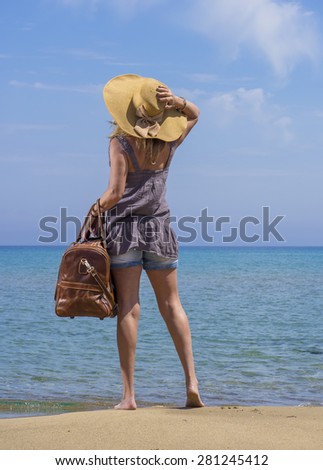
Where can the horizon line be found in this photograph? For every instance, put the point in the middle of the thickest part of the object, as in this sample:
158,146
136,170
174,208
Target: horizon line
181,246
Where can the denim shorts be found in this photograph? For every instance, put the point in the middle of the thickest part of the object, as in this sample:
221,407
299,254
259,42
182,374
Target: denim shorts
147,259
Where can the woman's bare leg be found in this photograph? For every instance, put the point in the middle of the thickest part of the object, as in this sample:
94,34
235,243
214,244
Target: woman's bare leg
164,283
126,281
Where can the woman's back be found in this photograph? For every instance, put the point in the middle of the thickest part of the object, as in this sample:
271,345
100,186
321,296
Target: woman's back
141,217
144,162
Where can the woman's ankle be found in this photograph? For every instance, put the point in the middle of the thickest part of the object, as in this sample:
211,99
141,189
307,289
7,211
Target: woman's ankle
127,403
192,383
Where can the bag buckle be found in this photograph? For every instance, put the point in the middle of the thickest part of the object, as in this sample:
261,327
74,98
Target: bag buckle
89,268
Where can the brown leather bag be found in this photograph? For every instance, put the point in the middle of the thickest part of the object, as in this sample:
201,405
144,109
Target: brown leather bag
84,287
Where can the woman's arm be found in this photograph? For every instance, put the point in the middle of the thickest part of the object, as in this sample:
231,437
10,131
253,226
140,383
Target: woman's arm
189,109
117,180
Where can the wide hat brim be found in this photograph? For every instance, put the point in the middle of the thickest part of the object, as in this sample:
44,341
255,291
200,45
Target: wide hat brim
119,94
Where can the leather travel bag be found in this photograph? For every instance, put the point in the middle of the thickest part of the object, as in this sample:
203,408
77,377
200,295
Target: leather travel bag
84,286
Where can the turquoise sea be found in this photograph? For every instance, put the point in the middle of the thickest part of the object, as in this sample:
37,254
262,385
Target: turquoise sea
256,315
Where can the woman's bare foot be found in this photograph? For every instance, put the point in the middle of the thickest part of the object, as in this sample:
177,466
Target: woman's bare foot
193,398
126,404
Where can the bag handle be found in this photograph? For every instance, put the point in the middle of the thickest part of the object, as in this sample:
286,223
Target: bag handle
86,227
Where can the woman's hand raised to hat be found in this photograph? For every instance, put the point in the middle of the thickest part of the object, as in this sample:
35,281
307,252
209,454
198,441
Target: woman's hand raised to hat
164,95
187,108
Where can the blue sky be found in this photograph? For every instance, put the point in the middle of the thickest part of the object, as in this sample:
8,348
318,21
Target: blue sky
254,67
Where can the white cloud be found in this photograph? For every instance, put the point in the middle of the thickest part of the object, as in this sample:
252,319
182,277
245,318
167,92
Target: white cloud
124,7
253,109
284,125
281,32
189,94
203,77
44,86
90,54
77,3
83,54
241,102
21,127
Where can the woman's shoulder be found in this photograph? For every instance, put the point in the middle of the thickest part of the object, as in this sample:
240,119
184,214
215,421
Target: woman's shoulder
118,142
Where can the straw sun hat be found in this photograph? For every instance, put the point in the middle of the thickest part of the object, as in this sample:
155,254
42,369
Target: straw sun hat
131,100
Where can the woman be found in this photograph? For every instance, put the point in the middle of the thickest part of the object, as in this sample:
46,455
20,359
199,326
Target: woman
151,123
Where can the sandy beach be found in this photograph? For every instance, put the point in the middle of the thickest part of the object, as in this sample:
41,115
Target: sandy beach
227,427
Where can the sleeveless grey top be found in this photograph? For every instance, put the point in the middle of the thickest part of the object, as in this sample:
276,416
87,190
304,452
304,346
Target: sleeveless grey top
141,217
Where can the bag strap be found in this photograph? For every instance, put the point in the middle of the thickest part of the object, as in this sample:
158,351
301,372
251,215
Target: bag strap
91,270
85,230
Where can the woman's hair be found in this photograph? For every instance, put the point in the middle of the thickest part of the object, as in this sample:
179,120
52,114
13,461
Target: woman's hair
150,147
